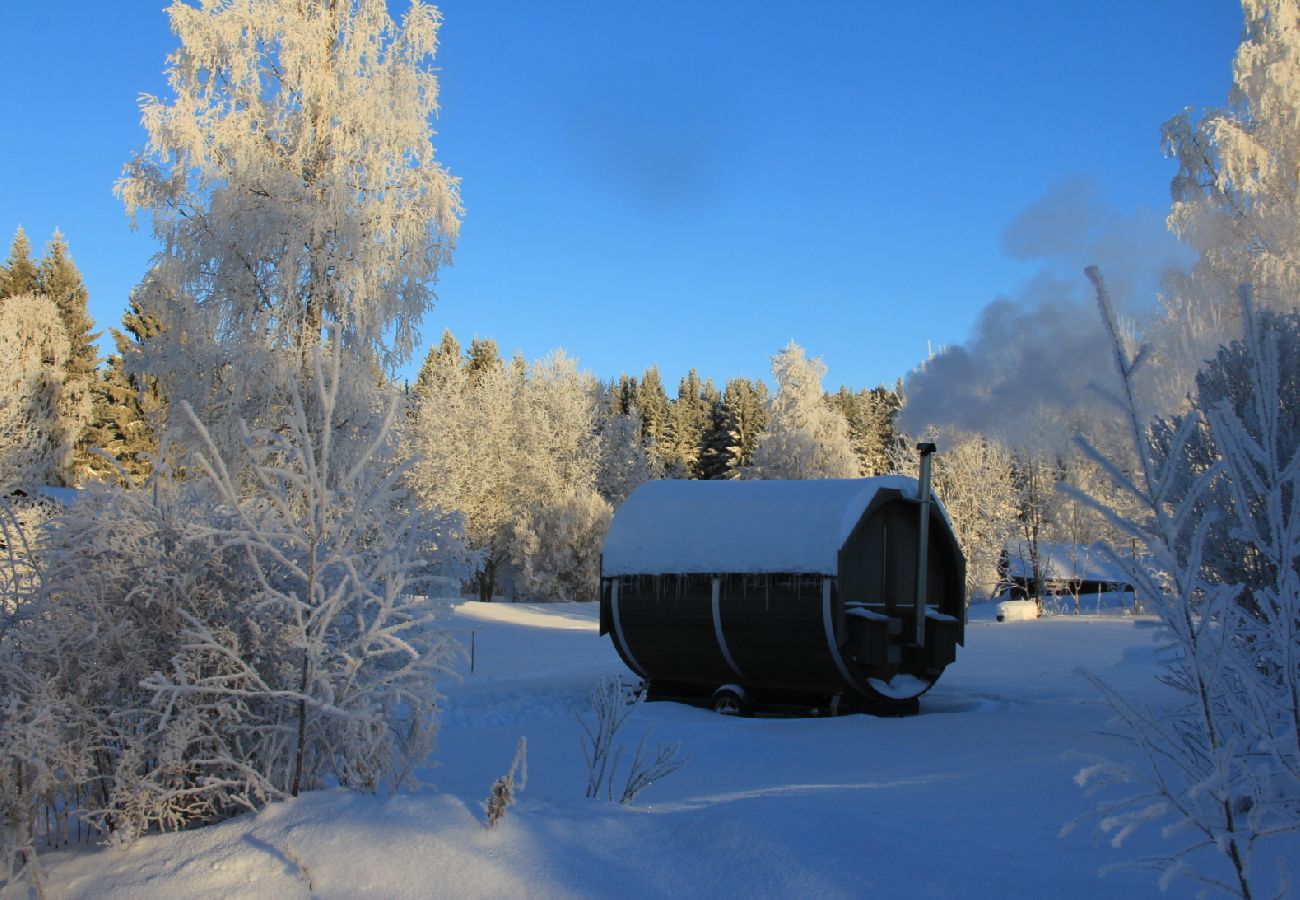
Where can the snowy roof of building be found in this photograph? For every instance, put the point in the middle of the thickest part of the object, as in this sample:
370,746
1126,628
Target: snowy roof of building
694,527
1063,562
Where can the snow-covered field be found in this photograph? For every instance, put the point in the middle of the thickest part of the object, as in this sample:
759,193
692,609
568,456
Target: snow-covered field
964,800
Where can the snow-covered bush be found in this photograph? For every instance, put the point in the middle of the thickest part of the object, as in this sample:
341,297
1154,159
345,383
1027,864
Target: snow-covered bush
199,647
1220,773
329,666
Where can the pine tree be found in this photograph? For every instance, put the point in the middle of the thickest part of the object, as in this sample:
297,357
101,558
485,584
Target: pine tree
715,455
744,418
437,362
683,434
871,416
19,275
627,396
654,409
484,356
63,285
129,408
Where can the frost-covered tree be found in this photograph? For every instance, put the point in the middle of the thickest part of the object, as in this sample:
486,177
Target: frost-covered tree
871,414
129,408
483,356
18,275
805,437
462,437
1220,773
62,284
560,518
292,184
653,400
556,544
196,649
338,562
1235,196
514,450
626,458
745,405
1235,200
36,430
1035,474
974,478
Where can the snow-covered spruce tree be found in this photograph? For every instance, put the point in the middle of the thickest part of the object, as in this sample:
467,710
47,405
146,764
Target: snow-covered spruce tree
684,432
653,402
291,182
340,685
1221,772
745,405
62,283
18,274
35,437
129,409
871,415
805,437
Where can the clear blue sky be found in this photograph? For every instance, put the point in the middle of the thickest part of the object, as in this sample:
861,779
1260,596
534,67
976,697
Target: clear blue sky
696,182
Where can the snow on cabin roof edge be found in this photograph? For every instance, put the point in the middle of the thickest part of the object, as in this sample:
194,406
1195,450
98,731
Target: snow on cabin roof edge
704,527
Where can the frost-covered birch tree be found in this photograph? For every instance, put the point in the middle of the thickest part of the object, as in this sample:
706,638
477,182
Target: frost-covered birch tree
515,451
560,519
627,458
291,182
1235,200
973,476
805,437
36,433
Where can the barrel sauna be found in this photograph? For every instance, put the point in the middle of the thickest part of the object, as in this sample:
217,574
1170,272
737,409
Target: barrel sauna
784,593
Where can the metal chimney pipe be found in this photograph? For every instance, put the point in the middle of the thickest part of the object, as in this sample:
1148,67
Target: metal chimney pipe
922,541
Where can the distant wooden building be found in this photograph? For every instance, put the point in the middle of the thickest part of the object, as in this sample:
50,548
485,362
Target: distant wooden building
1074,570
781,591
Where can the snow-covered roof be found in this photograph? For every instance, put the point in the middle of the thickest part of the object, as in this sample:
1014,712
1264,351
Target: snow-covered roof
1063,562
686,527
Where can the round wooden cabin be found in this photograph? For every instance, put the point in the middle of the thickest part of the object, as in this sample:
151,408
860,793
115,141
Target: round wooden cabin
782,592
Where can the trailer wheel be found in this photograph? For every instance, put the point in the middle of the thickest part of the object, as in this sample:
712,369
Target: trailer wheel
731,700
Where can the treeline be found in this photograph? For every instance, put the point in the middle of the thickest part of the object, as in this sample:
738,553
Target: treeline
64,413
534,457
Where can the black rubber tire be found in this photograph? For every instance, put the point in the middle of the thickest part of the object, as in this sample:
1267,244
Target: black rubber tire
728,701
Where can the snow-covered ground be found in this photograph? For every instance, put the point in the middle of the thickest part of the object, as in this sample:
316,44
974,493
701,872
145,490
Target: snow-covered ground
964,800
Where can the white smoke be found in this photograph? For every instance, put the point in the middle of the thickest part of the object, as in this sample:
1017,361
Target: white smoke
1039,347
